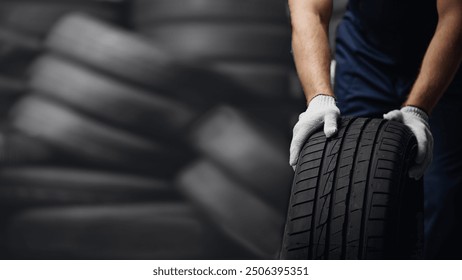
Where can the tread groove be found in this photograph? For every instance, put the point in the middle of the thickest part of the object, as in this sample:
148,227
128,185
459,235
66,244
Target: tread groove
348,196
366,193
313,219
334,189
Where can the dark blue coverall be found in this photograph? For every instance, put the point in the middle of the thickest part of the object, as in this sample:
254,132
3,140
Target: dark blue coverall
380,45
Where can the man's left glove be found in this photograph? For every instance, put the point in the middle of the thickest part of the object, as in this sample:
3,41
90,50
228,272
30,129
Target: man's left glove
417,121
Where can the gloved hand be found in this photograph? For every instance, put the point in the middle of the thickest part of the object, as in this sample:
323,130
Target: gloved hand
321,110
417,121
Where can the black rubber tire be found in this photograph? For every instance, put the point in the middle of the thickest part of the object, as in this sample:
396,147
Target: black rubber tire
91,141
16,52
149,11
254,154
265,80
135,59
17,42
36,18
277,115
141,231
352,197
241,215
223,41
17,149
11,90
135,109
48,186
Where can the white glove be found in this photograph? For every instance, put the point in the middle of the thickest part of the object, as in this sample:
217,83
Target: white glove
321,110
417,121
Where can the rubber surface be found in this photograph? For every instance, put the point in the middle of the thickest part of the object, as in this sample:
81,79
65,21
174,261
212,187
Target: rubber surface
265,80
254,154
87,139
135,109
36,18
352,197
11,90
276,115
47,186
133,58
17,149
223,41
143,231
243,216
148,11
16,52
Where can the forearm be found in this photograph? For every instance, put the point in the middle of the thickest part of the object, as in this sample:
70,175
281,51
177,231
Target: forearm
440,63
311,48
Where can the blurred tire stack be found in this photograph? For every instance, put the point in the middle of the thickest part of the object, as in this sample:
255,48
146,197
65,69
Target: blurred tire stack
23,25
242,180
166,141
249,41
117,137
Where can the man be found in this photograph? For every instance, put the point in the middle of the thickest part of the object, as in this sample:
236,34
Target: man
400,58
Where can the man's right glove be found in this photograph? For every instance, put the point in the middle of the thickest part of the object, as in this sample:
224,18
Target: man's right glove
321,110
417,121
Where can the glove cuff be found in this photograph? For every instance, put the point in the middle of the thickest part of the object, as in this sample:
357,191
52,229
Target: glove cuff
415,112
322,100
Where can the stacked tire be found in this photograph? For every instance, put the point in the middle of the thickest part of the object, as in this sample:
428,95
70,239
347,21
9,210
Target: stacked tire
35,18
23,25
109,119
241,179
247,40
241,182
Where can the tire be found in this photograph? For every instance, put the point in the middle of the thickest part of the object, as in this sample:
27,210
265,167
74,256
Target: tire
135,59
134,109
242,216
363,206
90,141
276,115
254,154
142,231
17,42
17,149
265,80
223,41
36,18
48,186
10,91
16,52
11,88
151,11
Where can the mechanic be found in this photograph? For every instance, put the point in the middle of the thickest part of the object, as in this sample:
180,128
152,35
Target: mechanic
398,59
